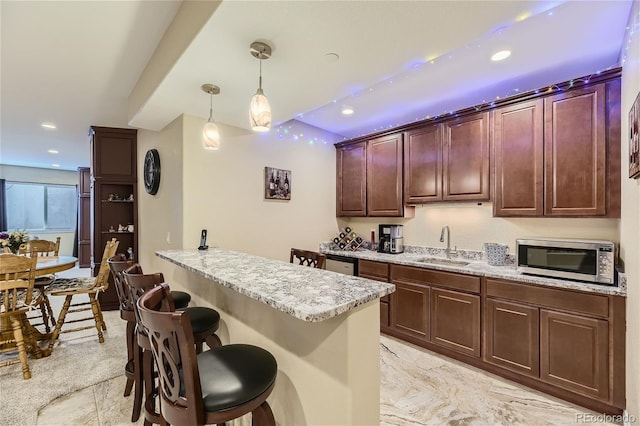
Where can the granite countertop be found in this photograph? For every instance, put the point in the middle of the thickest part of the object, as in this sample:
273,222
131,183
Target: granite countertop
476,266
305,293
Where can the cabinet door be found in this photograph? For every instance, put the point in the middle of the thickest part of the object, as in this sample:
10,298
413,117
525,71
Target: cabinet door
574,353
423,164
351,180
377,271
575,151
518,155
384,176
512,336
113,153
410,310
466,158
455,321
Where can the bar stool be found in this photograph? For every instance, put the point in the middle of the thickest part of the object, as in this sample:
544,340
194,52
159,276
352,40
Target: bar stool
215,386
307,258
204,321
117,265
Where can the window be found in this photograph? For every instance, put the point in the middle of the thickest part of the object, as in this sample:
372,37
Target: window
41,207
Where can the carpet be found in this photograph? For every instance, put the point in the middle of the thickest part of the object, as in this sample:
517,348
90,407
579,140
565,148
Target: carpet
78,360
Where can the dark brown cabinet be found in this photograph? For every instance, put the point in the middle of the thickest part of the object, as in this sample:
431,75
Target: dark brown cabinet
465,158
351,180
369,178
574,353
513,336
455,321
559,156
575,153
518,158
436,308
410,310
84,217
384,176
114,196
448,161
378,271
423,164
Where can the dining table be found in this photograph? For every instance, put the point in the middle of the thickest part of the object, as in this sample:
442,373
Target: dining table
46,265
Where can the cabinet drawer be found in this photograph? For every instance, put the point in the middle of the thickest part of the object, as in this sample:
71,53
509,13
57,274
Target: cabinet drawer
376,269
575,301
435,278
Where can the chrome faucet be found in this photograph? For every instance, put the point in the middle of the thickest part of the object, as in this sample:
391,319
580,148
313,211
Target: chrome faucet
448,251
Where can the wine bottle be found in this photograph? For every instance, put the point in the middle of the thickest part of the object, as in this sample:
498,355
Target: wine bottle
286,184
272,185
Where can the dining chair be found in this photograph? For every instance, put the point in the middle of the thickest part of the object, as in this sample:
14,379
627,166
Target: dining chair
81,286
307,258
215,386
204,323
118,264
42,248
16,295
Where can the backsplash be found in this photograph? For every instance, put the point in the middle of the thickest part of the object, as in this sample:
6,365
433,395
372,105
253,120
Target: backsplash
473,255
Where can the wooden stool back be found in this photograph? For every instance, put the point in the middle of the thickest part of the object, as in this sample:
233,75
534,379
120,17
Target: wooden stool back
307,258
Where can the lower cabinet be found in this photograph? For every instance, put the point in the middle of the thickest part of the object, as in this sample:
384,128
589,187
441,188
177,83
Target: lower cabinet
410,310
455,321
574,353
513,336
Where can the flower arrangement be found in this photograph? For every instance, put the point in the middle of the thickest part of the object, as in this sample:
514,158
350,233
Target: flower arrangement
13,240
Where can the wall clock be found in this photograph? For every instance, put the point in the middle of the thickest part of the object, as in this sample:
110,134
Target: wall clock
152,171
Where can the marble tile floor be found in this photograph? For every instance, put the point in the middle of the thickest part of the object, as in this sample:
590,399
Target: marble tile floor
418,387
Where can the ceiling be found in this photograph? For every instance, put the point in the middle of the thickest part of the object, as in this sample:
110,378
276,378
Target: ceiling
76,63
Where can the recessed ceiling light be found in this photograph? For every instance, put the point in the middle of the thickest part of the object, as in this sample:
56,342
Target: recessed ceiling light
48,125
331,57
499,56
53,151
55,165
347,110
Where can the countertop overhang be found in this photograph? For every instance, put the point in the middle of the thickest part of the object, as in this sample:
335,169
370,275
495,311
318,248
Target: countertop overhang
481,268
305,293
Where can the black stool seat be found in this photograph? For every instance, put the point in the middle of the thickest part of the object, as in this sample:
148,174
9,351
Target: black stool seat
203,319
180,299
232,375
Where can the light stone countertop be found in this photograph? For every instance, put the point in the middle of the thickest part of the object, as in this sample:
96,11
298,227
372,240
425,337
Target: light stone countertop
476,266
305,293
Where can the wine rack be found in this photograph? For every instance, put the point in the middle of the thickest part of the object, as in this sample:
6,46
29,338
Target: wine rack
348,240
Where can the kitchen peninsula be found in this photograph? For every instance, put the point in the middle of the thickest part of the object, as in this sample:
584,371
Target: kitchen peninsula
322,327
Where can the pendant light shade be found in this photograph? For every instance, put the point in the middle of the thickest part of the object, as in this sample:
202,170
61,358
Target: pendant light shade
210,132
259,109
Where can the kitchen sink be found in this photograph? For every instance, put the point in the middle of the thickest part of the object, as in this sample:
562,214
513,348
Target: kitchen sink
442,261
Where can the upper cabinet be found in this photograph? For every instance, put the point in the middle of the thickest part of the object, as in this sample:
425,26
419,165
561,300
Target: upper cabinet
465,158
113,153
423,164
448,161
552,154
369,178
518,151
351,180
556,157
384,176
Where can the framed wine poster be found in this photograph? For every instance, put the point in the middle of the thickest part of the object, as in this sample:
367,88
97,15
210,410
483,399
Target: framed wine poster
634,139
277,184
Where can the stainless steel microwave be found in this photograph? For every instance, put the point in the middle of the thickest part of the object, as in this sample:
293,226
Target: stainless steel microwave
582,260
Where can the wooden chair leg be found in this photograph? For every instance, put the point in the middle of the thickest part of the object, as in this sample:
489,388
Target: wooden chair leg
47,304
60,323
22,352
97,316
137,382
150,393
43,311
104,324
263,416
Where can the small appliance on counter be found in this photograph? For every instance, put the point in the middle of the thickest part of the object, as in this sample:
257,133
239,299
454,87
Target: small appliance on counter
583,260
391,240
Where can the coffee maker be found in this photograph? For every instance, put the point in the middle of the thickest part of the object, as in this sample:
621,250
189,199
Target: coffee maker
391,240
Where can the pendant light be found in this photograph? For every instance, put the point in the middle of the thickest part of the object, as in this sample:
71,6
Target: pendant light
210,133
259,109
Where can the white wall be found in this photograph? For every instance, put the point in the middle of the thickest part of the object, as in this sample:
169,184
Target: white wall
38,175
629,225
